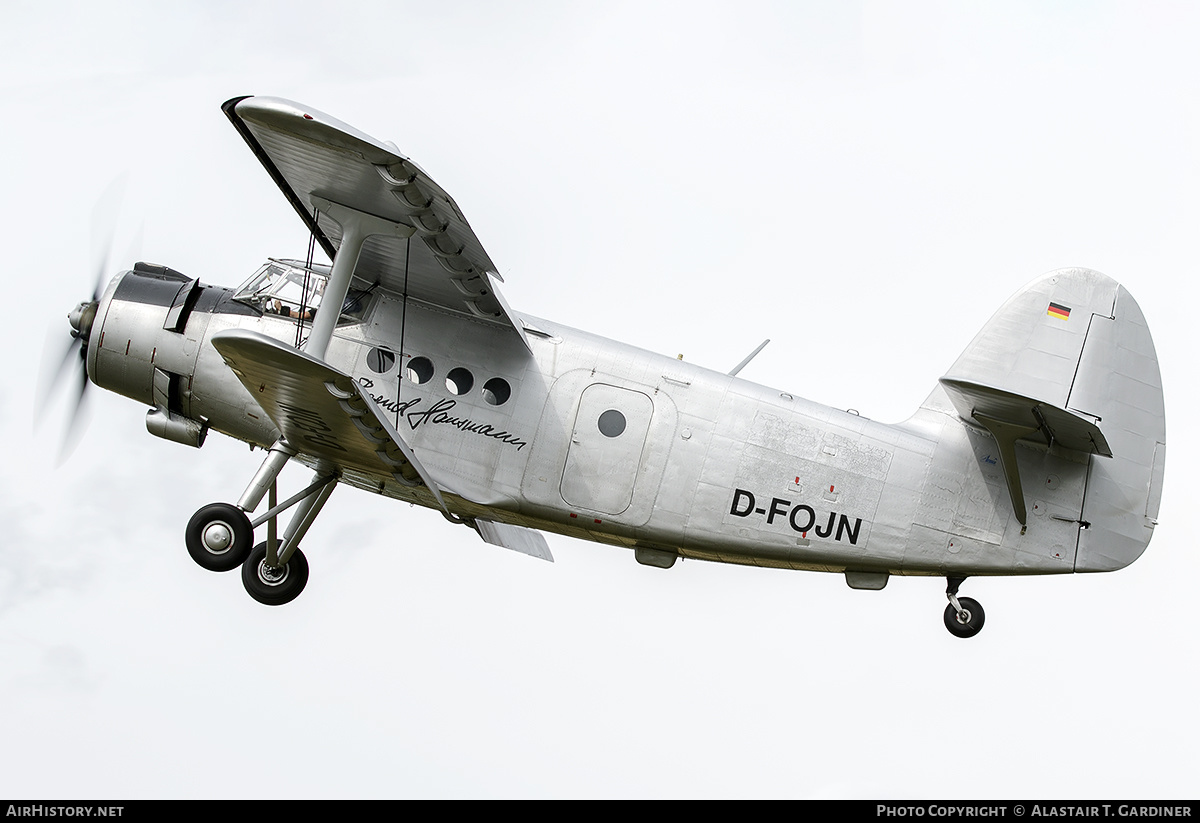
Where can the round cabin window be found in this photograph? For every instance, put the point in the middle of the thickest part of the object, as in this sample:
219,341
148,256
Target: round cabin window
459,381
496,391
420,370
611,423
380,360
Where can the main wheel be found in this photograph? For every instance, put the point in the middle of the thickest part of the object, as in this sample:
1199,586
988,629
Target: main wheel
966,623
274,585
219,537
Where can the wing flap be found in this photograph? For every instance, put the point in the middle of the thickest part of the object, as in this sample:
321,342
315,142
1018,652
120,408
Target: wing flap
516,538
319,410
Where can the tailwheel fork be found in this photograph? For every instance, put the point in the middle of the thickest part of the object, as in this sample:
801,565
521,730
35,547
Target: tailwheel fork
964,616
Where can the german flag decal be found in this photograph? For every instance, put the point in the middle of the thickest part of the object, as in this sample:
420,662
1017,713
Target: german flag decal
1061,312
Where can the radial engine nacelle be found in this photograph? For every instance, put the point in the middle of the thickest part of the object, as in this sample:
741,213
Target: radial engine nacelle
145,343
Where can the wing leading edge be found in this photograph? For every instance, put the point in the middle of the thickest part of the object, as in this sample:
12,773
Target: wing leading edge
313,157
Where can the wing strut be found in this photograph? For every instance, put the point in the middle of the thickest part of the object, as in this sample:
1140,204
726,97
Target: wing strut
356,226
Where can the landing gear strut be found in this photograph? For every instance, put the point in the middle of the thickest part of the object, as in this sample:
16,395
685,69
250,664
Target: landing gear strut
220,536
274,572
964,615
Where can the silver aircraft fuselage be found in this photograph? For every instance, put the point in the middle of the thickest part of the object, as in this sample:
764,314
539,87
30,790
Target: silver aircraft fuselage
402,370
600,440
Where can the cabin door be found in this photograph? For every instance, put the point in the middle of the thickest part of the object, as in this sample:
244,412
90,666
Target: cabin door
606,447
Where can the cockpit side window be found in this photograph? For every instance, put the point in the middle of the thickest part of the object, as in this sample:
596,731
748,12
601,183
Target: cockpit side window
288,288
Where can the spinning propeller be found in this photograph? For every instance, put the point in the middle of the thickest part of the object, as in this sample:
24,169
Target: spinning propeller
68,361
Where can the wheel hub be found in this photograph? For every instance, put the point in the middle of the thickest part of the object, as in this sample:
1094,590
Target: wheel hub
272,575
218,537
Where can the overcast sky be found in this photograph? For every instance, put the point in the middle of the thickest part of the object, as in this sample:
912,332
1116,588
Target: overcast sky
864,183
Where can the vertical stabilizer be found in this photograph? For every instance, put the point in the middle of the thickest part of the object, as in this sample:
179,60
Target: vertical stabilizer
1068,364
1031,346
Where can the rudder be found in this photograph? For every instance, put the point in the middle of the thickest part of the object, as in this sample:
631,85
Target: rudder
1120,383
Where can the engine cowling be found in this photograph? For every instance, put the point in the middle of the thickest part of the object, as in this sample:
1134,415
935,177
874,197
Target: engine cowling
143,345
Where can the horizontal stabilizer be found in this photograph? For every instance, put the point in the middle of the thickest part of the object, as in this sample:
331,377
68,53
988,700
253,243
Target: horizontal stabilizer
1043,423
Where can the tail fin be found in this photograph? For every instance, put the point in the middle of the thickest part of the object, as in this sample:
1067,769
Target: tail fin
1068,363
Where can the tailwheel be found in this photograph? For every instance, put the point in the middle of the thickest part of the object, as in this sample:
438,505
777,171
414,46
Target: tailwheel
219,537
966,620
274,585
964,615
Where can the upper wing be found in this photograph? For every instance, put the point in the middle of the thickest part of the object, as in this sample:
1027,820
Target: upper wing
312,155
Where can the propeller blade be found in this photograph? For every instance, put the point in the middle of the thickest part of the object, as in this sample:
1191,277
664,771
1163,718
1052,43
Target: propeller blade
57,356
105,216
58,361
77,414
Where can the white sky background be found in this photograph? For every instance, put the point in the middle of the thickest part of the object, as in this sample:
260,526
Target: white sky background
862,183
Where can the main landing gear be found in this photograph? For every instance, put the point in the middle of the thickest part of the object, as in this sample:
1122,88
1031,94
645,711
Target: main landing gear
964,615
220,536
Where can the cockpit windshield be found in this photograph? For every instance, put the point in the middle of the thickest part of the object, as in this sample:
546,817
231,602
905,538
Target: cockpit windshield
291,289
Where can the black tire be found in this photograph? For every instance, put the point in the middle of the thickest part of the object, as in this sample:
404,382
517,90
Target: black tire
219,537
274,587
973,622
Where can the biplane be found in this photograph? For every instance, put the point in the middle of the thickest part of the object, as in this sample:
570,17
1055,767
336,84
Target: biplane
398,368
